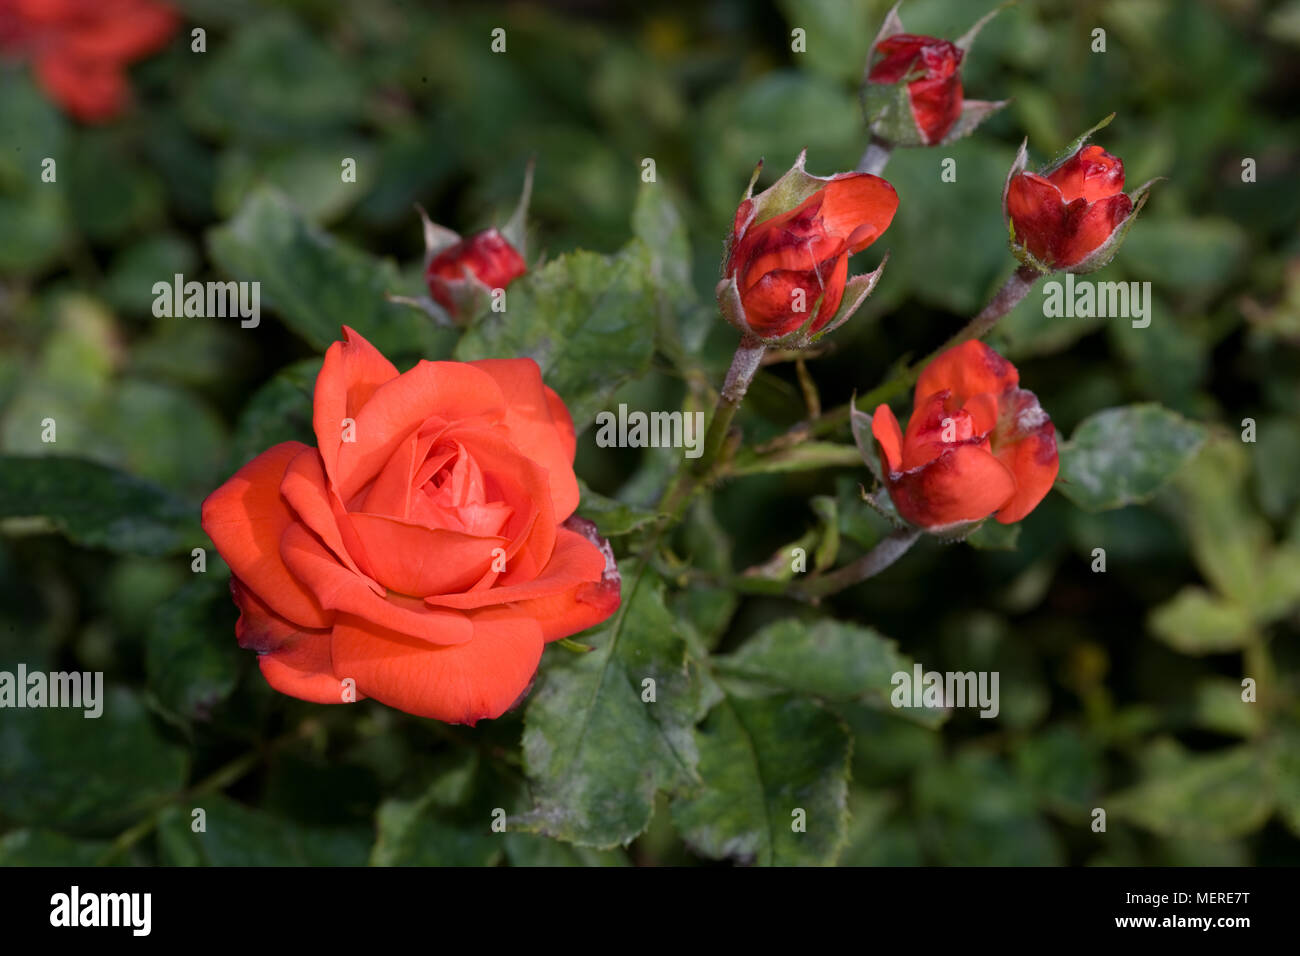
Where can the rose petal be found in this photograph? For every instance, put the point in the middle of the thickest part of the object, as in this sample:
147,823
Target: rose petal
524,486
935,427
964,484
884,427
584,605
967,370
340,589
575,561
294,660
1090,174
451,391
460,684
317,505
246,518
92,90
1089,226
1026,443
833,294
1037,213
419,561
353,369
533,427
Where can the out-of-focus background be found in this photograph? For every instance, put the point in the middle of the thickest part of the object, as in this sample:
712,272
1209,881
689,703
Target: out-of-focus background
1120,690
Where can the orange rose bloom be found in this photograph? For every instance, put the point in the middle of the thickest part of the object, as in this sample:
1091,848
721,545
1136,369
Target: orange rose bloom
977,443
427,549
81,48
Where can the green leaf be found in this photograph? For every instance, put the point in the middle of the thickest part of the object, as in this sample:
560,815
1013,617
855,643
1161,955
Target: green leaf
308,174
595,750
1123,455
29,847
279,411
775,784
192,660
1190,255
613,518
272,80
683,323
314,282
994,536
60,768
1204,797
527,849
825,658
1197,622
972,811
840,31
1062,766
97,506
1230,541
1284,752
237,835
35,214
588,320
1217,706
418,833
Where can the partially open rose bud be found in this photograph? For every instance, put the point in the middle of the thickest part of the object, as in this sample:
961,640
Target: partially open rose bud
486,257
912,92
785,280
977,444
463,274
1072,214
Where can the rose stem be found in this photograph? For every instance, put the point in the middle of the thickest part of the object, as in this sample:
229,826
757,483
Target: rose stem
1006,299
886,552
875,156
748,357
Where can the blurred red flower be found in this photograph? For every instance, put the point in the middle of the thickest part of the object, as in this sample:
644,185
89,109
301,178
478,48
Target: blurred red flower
80,49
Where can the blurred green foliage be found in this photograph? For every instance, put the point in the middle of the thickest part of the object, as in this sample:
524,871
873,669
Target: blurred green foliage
1120,689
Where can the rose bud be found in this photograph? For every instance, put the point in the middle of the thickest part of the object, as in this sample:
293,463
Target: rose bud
462,274
785,280
1072,214
977,444
912,92
485,258
426,549
80,49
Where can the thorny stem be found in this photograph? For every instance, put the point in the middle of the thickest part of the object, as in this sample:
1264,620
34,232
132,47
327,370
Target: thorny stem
744,364
886,552
875,156
1006,299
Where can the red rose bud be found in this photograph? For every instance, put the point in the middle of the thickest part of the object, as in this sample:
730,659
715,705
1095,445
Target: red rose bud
786,281
977,444
913,92
935,96
486,257
462,273
1072,214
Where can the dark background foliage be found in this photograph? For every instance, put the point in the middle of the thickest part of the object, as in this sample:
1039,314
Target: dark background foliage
1120,689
